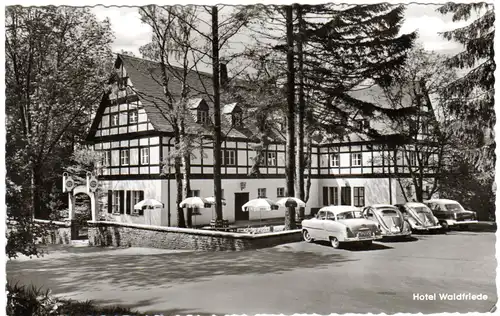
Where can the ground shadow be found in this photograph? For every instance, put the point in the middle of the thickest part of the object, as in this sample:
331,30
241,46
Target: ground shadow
399,240
71,273
355,246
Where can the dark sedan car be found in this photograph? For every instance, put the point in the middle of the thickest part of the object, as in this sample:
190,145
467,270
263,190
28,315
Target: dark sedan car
450,213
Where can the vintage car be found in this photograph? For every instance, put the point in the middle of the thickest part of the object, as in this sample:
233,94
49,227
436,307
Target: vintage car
390,219
419,216
450,213
340,224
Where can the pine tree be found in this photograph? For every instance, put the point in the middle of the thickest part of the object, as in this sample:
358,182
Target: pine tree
471,97
357,44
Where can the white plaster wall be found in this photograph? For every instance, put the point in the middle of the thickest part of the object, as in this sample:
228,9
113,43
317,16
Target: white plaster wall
152,190
376,189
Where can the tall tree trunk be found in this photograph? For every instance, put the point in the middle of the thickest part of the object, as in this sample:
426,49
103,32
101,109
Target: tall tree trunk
300,115
290,135
186,188
38,209
217,115
178,182
186,165
398,176
309,163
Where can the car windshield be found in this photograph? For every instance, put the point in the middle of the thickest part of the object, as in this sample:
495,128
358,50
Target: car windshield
454,207
349,215
421,209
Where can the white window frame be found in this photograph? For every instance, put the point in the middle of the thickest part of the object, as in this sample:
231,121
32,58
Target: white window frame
412,158
334,160
358,196
229,157
133,117
113,117
124,158
134,199
280,192
106,158
202,116
271,158
260,191
144,155
356,159
116,202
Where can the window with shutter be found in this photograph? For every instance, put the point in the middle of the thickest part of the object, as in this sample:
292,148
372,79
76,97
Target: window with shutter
129,203
122,202
345,196
141,198
110,201
325,196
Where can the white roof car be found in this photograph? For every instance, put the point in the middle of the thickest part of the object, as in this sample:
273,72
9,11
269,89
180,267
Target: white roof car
339,208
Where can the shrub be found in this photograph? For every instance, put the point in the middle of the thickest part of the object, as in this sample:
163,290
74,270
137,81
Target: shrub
29,300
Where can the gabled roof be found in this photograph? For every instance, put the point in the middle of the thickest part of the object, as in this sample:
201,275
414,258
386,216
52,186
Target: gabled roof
231,108
197,104
145,78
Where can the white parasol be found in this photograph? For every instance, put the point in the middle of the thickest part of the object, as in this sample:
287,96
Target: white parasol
152,203
291,202
193,202
260,205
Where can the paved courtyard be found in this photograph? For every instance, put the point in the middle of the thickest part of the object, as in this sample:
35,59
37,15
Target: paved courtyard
292,278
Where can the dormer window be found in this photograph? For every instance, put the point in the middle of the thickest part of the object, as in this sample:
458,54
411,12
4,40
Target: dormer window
202,117
362,124
237,118
122,83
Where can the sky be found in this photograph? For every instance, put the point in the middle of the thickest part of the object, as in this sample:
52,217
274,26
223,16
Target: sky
131,33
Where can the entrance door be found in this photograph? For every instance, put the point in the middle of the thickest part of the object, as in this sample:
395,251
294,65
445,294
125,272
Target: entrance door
239,200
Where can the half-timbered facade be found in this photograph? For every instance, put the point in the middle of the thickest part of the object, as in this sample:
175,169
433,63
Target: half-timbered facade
134,136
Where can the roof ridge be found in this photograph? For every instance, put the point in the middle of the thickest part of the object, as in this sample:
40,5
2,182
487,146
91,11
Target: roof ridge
158,63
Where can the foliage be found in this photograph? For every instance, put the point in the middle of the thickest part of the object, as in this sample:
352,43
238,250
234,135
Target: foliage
419,84
471,97
56,64
344,46
30,300
475,191
24,237
181,46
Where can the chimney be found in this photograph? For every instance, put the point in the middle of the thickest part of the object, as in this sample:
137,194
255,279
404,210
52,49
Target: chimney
223,74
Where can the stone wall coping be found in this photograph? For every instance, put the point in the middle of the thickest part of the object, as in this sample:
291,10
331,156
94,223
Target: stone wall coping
196,231
59,223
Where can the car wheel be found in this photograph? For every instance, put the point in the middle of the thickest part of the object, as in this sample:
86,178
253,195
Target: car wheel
444,226
367,243
307,237
335,242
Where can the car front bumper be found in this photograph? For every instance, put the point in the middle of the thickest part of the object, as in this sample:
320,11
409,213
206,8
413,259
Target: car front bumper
355,239
396,234
452,222
426,228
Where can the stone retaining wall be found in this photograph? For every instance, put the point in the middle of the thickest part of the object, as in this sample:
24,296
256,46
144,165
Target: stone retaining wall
135,235
57,232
